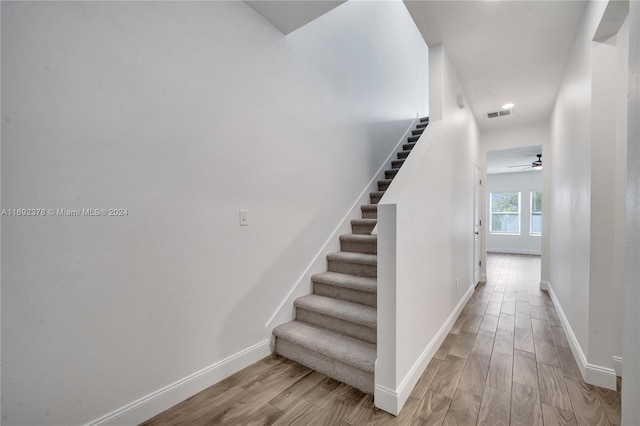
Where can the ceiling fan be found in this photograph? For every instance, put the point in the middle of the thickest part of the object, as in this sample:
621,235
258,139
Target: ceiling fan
536,165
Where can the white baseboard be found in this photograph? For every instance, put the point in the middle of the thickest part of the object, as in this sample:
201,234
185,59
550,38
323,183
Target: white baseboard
302,287
617,365
386,399
391,400
544,285
600,376
593,374
483,278
162,399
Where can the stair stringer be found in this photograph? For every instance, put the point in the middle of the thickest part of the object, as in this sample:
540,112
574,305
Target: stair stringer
286,311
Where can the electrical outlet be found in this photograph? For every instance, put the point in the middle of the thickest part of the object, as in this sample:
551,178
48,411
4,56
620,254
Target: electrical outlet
244,218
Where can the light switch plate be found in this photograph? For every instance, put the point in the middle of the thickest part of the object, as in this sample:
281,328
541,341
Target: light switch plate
244,218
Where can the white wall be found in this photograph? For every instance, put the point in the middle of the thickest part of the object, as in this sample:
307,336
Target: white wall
523,182
631,368
608,175
536,133
622,99
183,113
425,240
570,202
583,202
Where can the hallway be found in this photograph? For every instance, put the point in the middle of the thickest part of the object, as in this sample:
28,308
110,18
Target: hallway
505,361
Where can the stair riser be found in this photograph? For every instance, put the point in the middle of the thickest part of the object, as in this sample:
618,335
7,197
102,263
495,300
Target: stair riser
390,174
356,269
348,294
403,155
363,229
424,120
338,325
359,247
382,186
408,146
417,132
369,214
421,125
375,199
413,138
396,164
348,374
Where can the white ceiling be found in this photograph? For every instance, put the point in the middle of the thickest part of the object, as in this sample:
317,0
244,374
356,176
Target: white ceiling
503,51
500,161
290,15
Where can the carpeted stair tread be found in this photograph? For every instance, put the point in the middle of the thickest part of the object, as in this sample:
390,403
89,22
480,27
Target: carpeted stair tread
408,146
346,311
424,120
358,258
365,221
353,263
375,199
413,138
369,211
364,226
422,125
359,242
353,282
417,132
344,285
349,350
390,173
383,184
359,238
396,164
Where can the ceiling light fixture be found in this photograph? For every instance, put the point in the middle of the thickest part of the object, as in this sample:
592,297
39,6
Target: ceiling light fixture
508,106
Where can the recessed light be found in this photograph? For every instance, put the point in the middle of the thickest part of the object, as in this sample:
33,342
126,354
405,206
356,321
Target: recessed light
508,106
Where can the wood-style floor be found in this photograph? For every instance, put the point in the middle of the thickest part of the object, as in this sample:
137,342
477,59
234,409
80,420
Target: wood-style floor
506,361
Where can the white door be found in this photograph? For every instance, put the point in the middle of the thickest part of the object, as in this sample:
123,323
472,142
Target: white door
476,225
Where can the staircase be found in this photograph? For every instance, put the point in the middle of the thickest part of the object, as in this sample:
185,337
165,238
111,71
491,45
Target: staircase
335,327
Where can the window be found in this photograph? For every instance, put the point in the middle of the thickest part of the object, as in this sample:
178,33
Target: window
505,212
536,213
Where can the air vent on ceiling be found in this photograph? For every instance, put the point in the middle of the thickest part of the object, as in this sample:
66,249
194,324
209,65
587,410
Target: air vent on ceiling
500,113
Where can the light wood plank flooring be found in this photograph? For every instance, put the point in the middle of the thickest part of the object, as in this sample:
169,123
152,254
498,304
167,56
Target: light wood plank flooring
506,361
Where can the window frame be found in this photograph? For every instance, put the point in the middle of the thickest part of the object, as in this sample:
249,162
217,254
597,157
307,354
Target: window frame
531,233
518,214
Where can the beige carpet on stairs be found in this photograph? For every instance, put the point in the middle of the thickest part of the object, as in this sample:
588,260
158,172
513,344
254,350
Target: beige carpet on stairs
335,328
